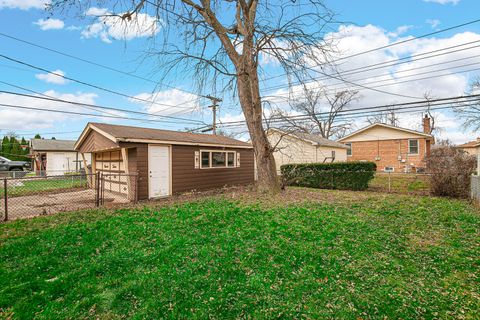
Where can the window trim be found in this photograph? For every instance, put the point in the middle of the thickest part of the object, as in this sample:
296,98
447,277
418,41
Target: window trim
210,151
418,147
349,144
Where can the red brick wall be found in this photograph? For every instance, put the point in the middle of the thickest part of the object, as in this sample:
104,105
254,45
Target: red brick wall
389,151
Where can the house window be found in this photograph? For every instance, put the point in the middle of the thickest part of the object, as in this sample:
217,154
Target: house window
389,169
413,146
218,159
349,150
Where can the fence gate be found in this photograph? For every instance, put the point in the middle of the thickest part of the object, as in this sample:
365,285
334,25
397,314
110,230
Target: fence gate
30,195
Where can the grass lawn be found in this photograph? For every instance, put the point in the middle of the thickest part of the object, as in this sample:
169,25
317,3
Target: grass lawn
21,187
340,255
401,183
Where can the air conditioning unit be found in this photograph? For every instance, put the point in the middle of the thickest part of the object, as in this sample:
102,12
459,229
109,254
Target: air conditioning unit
377,158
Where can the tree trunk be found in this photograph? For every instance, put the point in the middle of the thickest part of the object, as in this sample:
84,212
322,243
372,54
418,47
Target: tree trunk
249,96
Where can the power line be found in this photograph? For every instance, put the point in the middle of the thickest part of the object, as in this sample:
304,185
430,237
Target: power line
393,44
80,113
95,63
51,98
396,79
382,65
398,106
86,83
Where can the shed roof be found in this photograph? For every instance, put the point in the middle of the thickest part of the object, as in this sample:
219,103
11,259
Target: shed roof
314,138
52,145
119,133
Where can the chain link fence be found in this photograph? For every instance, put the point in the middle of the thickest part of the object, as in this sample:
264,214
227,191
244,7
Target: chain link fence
28,196
405,183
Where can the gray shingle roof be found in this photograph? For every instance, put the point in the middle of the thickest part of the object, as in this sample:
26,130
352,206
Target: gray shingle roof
52,145
128,132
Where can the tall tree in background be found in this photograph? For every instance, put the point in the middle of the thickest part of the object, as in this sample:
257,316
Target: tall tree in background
469,112
322,113
224,43
389,117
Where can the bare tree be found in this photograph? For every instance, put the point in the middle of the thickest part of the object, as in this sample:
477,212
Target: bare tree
321,113
433,125
469,112
388,116
223,44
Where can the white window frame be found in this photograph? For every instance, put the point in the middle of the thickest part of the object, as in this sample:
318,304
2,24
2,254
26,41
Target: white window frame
226,159
349,144
418,147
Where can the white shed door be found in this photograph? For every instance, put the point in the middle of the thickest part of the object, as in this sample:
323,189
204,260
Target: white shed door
159,171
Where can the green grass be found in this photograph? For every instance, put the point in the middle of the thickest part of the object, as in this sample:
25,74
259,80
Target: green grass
23,187
375,257
401,183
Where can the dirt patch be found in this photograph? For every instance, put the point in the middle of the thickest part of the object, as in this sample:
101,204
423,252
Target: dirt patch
46,204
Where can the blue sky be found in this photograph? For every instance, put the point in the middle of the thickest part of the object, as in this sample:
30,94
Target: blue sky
364,24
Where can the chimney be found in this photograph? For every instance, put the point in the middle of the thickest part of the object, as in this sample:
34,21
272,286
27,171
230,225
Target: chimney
427,127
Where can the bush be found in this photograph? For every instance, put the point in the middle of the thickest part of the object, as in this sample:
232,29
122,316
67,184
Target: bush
450,170
337,175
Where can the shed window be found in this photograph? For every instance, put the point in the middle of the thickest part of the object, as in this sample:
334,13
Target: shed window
205,159
218,159
413,146
231,159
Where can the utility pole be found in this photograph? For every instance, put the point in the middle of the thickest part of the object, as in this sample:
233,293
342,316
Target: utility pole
214,107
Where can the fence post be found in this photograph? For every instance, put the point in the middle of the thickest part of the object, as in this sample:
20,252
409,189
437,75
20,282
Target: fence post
389,182
5,184
97,190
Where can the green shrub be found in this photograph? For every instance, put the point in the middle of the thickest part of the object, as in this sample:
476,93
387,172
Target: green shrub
337,175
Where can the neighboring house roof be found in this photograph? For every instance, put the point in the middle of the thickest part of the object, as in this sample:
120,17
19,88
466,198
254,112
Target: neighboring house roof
52,145
470,144
426,135
313,138
118,133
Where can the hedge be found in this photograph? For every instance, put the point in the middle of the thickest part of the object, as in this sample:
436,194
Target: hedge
337,175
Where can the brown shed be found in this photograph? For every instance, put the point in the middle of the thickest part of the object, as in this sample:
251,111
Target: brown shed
167,162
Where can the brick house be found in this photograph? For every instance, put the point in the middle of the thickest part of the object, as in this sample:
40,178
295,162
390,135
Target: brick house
393,149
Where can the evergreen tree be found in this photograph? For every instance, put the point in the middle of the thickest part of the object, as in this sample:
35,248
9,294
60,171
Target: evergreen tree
15,150
37,136
6,146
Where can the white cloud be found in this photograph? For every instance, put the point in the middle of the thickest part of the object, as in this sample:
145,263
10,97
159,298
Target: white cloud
18,119
433,23
454,2
52,78
184,102
24,4
50,24
400,30
445,83
107,28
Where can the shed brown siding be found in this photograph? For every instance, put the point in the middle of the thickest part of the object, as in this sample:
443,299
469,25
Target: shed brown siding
95,142
186,178
138,163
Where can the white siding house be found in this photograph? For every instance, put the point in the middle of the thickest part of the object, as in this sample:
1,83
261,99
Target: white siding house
56,157
299,147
